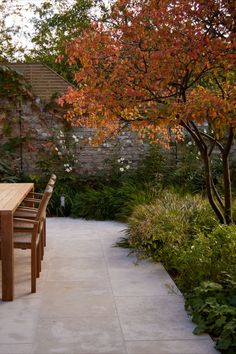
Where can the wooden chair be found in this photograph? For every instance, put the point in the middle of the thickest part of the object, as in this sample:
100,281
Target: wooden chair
34,198
28,234
29,212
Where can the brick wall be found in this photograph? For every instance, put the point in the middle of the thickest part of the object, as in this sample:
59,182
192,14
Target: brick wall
38,126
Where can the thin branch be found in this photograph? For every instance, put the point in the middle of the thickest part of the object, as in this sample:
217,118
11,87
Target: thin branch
198,134
212,148
217,194
213,140
192,133
220,87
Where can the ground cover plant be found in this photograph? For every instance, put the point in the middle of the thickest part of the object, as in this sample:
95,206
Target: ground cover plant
213,308
183,233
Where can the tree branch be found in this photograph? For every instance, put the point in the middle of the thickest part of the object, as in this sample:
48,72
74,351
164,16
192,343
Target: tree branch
213,140
216,193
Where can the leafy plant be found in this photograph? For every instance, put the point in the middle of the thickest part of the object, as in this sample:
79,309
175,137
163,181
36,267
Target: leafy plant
6,173
109,202
56,23
161,227
13,84
213,308
206,257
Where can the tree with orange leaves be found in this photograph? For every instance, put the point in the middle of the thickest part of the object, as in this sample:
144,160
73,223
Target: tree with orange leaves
161,65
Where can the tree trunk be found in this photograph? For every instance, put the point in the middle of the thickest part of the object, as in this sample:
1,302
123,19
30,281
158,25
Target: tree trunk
209,188
227,190
227,179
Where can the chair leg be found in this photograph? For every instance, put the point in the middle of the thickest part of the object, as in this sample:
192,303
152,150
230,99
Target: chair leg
42,244
38,260
44,233
33,269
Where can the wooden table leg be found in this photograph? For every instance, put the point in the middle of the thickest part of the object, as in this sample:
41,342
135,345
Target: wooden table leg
7,257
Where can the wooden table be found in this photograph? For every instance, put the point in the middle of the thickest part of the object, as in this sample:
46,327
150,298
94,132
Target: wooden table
11,196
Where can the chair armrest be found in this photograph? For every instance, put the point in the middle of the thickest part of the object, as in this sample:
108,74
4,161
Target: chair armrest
30,221
28,209
35,193
32,200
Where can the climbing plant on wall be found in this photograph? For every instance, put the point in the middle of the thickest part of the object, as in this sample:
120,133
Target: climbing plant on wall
13,130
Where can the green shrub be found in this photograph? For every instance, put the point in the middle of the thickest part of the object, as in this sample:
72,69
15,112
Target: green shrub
133,195
213,308
55,208
160,228
182,233
6,173
154,166
206,257
186,170
85,204
110,203
95,204
152,226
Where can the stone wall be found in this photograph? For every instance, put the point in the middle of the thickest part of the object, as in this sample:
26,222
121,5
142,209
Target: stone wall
38,125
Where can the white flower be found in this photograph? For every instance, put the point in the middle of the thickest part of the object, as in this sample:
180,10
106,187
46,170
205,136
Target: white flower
75,138
56,148
59,153
190,143
68,169
61,133
118,160
127,167
121,169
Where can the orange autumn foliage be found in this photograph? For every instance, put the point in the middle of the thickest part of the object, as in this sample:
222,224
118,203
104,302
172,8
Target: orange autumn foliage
161,66
151,60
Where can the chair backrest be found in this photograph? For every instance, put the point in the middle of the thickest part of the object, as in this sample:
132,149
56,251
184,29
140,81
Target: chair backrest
52,180
41,212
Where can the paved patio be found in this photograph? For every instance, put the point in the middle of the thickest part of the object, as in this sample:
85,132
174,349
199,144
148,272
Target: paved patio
92,298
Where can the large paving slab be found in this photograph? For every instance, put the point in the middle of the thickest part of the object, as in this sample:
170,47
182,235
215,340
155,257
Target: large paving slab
93,298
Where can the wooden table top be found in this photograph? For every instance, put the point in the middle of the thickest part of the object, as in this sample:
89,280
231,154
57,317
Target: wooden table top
12,194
